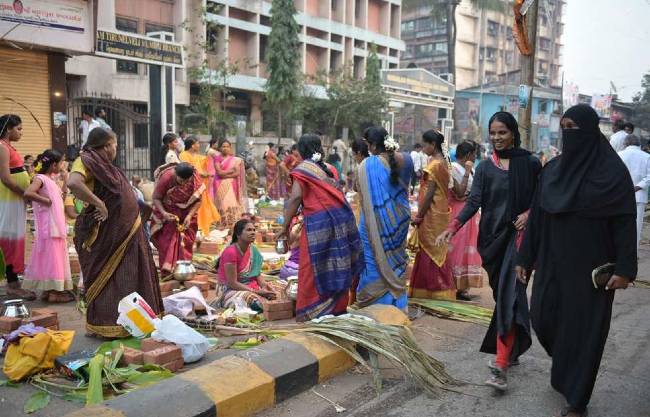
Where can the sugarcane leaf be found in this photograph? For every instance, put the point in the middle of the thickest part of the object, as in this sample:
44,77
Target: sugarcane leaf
37,401
8,383
95,394
150,378
78,396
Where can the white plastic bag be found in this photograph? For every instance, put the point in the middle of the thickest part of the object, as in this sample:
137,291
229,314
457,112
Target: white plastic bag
182,303
136,316
193,344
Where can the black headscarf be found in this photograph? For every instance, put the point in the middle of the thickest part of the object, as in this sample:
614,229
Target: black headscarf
523,171
589,177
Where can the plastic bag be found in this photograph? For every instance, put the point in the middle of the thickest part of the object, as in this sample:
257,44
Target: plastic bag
136,316
192,343
182,304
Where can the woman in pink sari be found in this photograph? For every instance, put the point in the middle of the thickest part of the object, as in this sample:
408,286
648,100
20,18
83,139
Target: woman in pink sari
176,200
463,256
49,266
229,184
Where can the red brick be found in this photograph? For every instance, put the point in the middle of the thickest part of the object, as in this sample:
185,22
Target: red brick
169,286
150,343
209,248
175,365
277,305
9,324
44,311
42,320
132,356
162,355
75,268
278,315
203,286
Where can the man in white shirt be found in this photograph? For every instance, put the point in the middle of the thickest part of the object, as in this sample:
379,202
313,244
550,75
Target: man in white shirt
86,125
638,163
100,116
617,140
420,161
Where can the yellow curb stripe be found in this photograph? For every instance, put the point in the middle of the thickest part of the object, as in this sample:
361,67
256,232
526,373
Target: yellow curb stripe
331,359
385,314
96,411
237,387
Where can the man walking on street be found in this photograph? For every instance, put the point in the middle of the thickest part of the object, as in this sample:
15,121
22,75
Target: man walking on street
638,163
420,161
617,140
86,125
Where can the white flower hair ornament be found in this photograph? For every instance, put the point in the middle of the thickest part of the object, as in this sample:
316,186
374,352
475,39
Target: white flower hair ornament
391,144
316,157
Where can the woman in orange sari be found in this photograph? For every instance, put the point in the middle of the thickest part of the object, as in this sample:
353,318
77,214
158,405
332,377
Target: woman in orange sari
229,184
432,276
207,214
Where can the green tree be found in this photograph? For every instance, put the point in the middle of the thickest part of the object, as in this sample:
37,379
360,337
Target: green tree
641,100
283,87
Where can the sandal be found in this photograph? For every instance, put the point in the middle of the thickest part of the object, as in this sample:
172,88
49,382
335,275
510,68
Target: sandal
60,297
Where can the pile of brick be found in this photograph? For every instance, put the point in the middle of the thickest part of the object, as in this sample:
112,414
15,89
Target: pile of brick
208,248
280,309
201,281
41,317
152,352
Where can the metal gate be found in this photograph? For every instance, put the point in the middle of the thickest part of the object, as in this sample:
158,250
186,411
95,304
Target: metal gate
129,121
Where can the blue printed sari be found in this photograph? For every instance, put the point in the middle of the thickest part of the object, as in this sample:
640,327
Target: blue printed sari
383,228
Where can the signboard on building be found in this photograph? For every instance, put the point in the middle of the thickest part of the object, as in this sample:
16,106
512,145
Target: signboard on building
417,80
602,103
55,14
138,48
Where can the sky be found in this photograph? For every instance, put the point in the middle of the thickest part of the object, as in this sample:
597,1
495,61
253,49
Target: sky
606,40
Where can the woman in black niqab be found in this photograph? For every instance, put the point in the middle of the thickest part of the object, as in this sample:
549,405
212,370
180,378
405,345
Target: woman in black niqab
582,217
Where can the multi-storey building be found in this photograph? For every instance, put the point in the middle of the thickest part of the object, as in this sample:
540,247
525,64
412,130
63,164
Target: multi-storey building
333,34
485,47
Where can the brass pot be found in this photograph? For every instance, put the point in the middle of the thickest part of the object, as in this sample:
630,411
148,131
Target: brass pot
184,271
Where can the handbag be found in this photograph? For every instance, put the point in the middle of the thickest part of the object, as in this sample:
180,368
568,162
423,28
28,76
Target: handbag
600,276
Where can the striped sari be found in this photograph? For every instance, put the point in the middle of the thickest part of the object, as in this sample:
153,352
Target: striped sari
330,250
384,224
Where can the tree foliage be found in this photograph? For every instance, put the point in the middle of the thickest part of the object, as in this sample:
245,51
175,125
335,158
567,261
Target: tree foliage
283,86
641,116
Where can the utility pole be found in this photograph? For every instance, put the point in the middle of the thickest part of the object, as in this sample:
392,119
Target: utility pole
528,75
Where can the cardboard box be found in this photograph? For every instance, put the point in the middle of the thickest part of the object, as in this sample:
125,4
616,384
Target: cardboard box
162,355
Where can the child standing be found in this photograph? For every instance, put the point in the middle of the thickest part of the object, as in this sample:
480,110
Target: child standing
49,266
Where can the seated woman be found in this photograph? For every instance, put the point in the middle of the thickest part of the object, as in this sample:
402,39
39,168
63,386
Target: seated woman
239,272
176,200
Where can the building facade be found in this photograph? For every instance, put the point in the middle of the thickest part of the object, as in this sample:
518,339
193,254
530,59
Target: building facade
37,36
333,34
485,47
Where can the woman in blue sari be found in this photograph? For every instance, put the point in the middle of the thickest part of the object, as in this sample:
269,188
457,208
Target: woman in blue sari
383,180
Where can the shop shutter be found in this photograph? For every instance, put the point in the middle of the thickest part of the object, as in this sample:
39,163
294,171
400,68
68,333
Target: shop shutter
24,78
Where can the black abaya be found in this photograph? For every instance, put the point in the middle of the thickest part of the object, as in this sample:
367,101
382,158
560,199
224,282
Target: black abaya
570,317
491,192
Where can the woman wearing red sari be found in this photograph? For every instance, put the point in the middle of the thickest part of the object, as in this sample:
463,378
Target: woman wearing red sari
275,187
330,248
176,199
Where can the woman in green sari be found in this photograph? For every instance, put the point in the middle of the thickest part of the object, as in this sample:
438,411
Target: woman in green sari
239,272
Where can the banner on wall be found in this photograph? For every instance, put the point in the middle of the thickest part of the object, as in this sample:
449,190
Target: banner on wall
602,103
54,14
570,95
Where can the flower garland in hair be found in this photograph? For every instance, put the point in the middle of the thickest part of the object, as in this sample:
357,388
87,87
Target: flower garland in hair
390,144
316,157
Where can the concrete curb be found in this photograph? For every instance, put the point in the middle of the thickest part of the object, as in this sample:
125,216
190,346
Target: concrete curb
243,383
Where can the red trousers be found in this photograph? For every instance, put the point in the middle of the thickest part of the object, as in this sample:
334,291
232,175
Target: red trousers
504,348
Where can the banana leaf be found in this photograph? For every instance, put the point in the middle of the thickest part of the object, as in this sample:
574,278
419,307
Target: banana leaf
454,310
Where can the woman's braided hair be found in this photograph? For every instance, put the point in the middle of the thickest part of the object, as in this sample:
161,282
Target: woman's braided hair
310,144
376,136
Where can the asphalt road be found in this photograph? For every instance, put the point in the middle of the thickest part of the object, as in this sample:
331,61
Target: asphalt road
622,388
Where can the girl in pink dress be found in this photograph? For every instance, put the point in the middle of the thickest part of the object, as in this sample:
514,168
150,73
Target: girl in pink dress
49,266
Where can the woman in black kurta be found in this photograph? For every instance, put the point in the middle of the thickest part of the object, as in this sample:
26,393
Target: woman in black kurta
503,189
583,217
